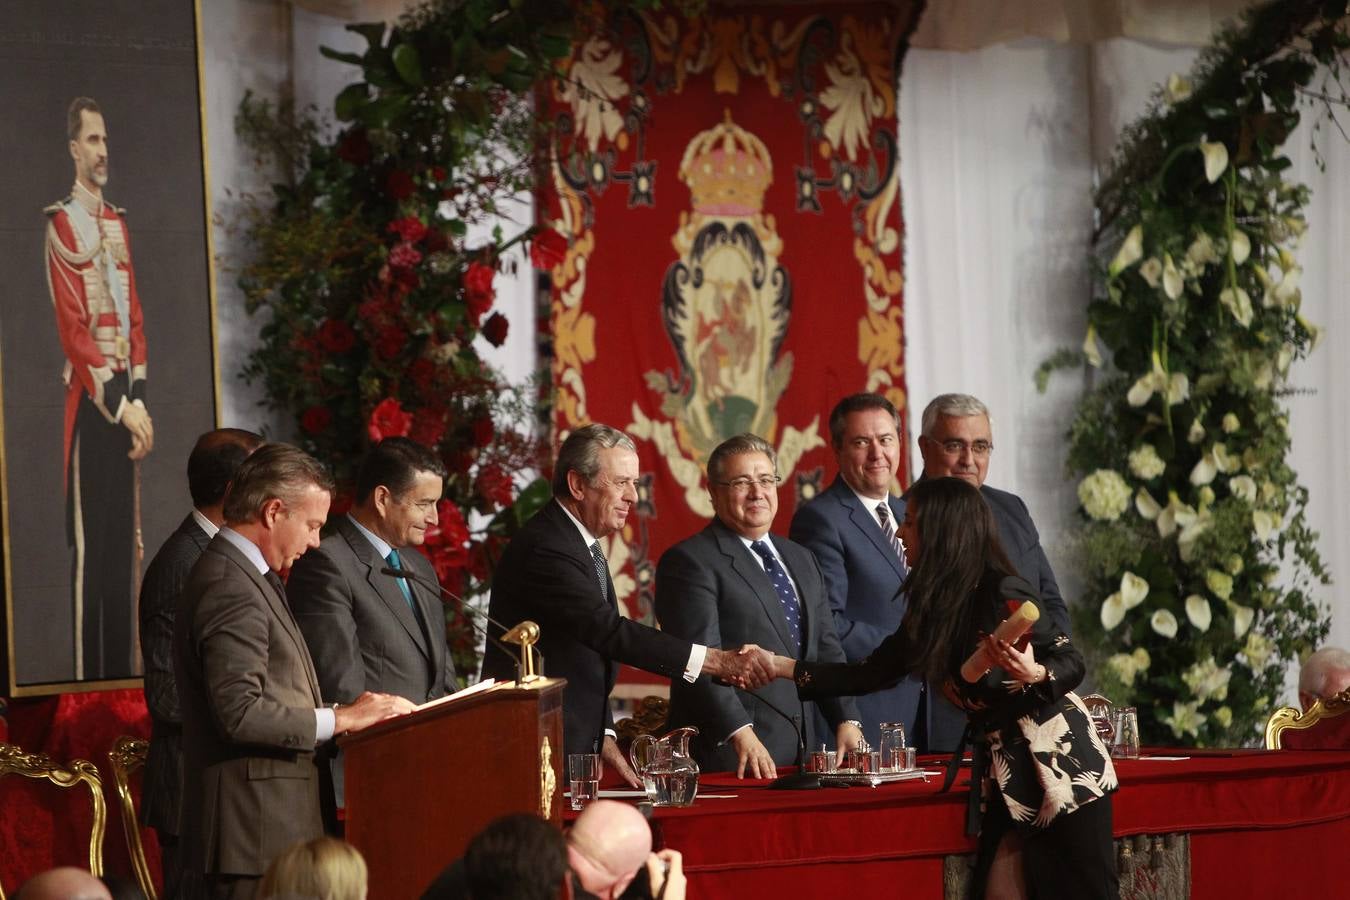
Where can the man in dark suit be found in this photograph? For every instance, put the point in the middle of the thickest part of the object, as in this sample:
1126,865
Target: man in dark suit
252,712
211,465
368,631
851,527
554,573
957,441
734,583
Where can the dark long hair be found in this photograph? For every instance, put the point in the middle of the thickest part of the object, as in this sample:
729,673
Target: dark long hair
958,544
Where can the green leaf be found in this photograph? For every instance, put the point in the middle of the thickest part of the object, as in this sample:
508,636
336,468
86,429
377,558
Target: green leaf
408,64
355,59
350,100
457,227
373,32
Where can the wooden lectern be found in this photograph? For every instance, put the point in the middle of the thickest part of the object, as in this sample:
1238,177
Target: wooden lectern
419,787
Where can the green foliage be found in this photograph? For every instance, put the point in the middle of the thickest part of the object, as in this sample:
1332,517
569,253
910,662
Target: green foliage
1196,312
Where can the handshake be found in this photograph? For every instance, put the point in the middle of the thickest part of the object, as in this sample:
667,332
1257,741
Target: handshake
747,668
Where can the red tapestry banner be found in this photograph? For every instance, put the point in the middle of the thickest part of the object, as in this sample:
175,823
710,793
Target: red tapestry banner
729,187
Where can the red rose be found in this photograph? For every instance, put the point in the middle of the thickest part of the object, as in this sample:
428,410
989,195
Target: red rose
478,294
336,336
494,485
316,419
399,185
428,426
422,373
447,543
409,228
547,249
483,431
388,419
404,256
354,147
494,329
390,342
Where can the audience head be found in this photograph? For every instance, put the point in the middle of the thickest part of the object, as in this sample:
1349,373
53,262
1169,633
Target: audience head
279,500
397,489
956,439
64,883
865,434
517,857
1324,674
743,484
322,869
213,461
595,477
607,845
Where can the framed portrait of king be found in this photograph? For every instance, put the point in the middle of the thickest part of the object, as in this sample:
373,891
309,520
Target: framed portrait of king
107,359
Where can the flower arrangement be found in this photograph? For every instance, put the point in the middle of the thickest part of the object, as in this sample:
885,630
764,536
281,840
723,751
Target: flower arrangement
1198,560
370,292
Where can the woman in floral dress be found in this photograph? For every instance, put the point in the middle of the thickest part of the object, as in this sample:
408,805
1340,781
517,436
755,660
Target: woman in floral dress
1041,778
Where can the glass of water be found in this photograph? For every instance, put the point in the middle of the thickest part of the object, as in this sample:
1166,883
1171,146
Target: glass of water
583,773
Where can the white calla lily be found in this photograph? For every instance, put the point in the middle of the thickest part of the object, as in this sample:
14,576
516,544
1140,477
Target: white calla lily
1216,159
1226,462
1142,390
1090,348
1164,623
1242,618
1196,434
1190,533
1239,304
1171,278
1147,507
1130,252
1151,270
1239,246
1178,388
1314,332
1198,612
1178,88
1133,590
1287,292
1113,611
1204,470
1243,487
1284,358
1201,252
1265,523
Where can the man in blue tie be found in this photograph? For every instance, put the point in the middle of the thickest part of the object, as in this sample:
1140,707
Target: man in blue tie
366,630
734,583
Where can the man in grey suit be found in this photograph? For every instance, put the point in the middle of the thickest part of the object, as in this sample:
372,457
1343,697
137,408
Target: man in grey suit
957,441
731,584
851,527
368,631
210,467
252,713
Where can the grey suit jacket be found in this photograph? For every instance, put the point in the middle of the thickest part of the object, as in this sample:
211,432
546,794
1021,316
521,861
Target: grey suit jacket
361,632
248,693
162,779
863,574
711,589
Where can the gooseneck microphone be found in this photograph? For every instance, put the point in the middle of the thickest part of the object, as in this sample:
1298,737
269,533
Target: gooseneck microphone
801,780
469,611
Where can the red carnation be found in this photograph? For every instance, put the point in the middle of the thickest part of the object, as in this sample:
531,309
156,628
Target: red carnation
428,426
399,185
478,293
336,336
404,256
388,419
447,542
483,431
494,485
494,329
354,147
390,342
422,373
548,248
409,228
316,419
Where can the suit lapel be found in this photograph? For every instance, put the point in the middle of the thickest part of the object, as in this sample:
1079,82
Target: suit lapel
751,571
194,532
384,586
866,523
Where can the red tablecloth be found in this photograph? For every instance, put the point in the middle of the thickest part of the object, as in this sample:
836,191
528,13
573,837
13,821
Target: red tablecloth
1252,815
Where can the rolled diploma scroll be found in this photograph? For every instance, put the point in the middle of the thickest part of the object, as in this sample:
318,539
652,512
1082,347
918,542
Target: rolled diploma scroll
1010,630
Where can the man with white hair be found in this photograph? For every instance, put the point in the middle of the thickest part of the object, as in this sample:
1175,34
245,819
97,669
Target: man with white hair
1324,674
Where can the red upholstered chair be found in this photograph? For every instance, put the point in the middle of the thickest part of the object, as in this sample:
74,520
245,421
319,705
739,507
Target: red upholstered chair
40,766
1325,726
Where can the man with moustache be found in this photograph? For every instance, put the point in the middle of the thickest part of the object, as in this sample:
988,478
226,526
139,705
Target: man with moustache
734,583
851,528
554,572
107,425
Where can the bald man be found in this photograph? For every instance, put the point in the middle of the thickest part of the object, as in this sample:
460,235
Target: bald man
1323,675
607,846
65,883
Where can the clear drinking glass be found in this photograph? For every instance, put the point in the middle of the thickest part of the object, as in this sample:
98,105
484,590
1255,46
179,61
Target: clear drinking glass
892,744
583,772
1126,742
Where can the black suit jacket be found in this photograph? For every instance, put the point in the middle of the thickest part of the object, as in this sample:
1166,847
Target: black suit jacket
162,778
547,575
711,589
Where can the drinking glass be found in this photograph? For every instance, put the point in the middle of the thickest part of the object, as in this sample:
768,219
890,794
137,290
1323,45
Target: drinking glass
583,772
1126,742
892,744
1103,719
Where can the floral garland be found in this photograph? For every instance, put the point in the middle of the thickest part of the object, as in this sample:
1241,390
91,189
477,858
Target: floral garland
1195,546
373,295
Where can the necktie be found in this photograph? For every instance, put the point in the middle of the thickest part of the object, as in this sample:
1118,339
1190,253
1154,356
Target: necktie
275,581
792,610
402,583
601,569
884,514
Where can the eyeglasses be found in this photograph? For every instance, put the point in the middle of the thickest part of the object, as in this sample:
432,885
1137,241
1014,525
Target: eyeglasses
957,447
742,484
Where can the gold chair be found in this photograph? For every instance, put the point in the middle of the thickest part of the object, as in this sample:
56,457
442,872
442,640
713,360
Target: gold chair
14,761
127,756
1332,735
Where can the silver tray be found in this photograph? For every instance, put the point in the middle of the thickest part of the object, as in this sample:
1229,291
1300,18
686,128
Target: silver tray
872,780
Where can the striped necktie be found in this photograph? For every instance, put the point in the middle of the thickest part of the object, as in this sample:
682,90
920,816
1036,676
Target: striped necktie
888,529
601,569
